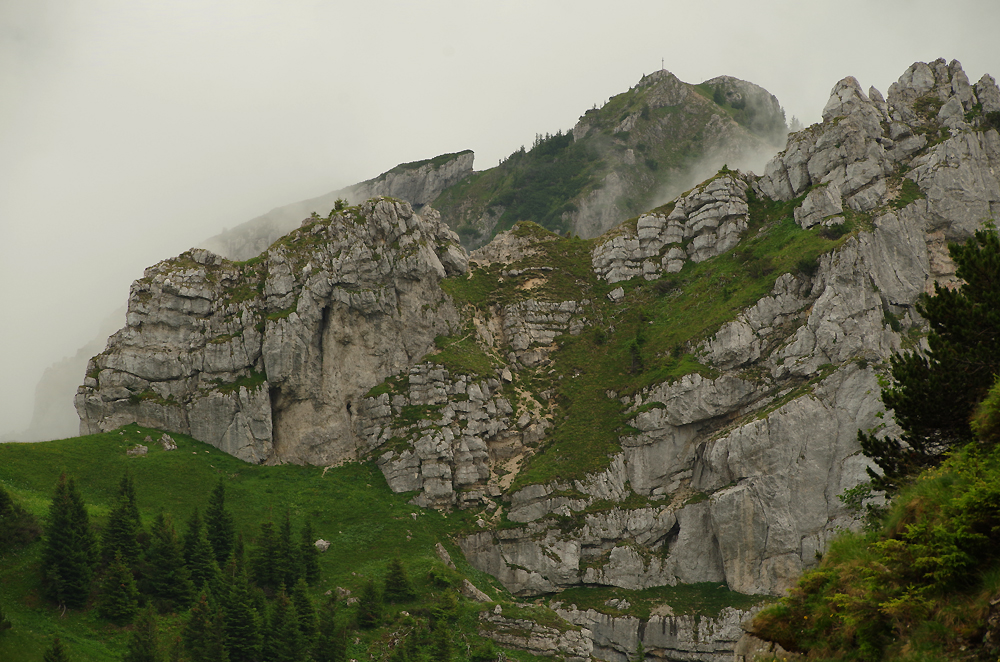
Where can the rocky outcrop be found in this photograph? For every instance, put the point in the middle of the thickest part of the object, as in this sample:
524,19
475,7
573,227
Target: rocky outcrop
266,359
689,637
699,225
571,644
417,183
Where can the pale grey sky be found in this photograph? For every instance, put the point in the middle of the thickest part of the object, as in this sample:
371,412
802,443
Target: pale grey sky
130,130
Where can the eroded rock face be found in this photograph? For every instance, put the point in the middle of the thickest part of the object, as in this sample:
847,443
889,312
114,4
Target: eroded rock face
265,360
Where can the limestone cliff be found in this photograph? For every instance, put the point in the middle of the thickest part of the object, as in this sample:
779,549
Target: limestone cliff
266,358
417,183
676,401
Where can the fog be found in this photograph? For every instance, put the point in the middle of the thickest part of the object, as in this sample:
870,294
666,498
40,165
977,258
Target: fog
131,131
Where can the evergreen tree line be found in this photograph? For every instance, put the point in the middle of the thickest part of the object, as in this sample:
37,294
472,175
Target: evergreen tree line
244,605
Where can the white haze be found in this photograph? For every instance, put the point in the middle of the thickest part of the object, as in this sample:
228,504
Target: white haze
130,131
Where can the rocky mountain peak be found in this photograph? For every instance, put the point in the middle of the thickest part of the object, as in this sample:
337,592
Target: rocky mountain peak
665,89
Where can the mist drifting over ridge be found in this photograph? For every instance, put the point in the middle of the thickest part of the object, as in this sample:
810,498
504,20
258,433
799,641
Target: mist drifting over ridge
132,133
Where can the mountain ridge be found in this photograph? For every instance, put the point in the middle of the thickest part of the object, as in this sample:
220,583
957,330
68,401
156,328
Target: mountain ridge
677,401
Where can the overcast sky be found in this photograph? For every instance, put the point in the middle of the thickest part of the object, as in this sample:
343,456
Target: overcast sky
132,130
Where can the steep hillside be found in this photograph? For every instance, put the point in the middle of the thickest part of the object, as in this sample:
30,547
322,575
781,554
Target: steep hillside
674,402
642,147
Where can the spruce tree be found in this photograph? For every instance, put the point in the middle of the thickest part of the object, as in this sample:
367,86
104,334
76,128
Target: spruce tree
309,555
305,612
933,395
442,646
219,523
369,607
398,588
167,580
144,642
124,525
288,553
265,563
198,555
70,548
243,621
283,641
204,633
5,623
331,641
119,598
56,652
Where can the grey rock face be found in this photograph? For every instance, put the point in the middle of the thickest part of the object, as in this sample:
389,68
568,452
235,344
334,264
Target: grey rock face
265,360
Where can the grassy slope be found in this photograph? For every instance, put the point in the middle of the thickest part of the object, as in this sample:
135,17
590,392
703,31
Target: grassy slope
351,506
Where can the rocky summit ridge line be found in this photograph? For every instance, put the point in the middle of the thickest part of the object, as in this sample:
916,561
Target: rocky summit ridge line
373,334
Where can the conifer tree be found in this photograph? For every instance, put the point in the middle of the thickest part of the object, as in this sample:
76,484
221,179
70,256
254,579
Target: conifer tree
239,552
167,580
198,555
331,642
442,645
70,547
124,525
283,641
56,652
369,606
288,553
265,563
305,612
309,555
119,597
398,588
933,395
243,621
144,642
219,523
204,633
5,624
